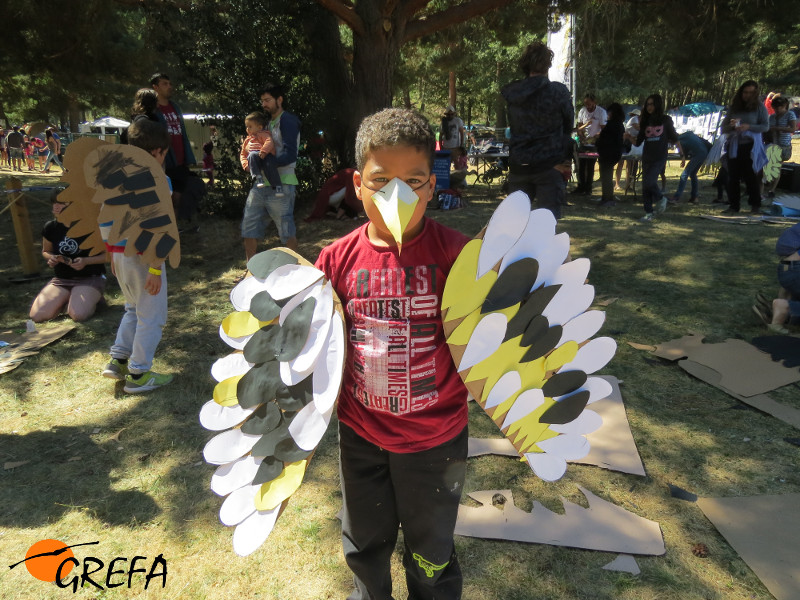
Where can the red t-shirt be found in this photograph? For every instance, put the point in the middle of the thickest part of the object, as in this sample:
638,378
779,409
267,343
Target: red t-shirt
400,390
174,130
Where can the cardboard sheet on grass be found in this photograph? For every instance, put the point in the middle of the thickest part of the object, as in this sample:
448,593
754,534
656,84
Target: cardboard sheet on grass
764,531
612,446
22,345
737,368
603,526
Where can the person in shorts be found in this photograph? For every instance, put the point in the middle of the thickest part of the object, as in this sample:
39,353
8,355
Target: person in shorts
79,278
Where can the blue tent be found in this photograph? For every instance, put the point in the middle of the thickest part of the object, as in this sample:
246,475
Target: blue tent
697,109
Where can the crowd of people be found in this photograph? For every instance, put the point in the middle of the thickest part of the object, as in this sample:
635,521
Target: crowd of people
22,150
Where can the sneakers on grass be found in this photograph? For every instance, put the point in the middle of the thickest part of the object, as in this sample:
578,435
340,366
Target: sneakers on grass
148,381
647,218
115,370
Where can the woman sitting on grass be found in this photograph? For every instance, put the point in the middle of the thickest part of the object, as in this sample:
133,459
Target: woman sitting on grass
79,278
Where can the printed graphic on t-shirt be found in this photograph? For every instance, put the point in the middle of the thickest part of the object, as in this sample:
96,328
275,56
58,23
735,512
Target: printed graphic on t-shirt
395,325
653,132
68,247
173,122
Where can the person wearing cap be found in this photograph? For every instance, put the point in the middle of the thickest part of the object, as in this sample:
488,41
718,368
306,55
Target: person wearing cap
628,139
453,132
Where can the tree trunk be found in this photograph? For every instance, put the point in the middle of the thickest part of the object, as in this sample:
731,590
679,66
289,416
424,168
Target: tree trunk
451,88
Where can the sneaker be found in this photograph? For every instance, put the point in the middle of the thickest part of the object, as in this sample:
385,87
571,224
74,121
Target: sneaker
148,381
259,182
608,204
116,370
647,218
661,205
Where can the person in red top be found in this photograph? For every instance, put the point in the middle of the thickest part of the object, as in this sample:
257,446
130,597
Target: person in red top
187,189
402,409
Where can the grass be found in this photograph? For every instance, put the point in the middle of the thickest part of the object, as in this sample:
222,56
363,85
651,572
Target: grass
127,471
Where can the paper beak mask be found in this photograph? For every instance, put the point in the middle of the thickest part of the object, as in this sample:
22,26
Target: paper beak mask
396,202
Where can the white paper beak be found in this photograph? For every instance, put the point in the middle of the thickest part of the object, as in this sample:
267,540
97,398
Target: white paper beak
396,202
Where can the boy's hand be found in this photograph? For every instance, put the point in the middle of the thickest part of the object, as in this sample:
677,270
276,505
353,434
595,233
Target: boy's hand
152,284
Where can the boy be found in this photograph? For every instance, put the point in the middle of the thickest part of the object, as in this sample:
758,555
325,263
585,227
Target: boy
144,287
259,162
402,408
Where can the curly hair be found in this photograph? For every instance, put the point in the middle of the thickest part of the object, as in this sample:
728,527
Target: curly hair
394,127
536,58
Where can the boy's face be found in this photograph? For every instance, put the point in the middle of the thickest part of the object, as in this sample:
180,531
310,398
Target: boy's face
781,110
384,164
252,127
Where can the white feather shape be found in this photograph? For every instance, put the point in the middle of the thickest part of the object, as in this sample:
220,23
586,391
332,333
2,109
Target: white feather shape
230,366
288,280
486,339
587,422
568,302
527,402
573,271
239,505
505,387
538,232
310,292
309,425
228,446
598,388
593,356
234,475
254,531
243,292
304,363
548,467
504,229
567,446
327,380
216,418
551,258
235,343
582,327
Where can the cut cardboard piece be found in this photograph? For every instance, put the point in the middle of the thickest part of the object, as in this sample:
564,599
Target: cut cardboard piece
603,526
743,369
764,531
132,192
22,345
762,402
81,214
612,445
624,563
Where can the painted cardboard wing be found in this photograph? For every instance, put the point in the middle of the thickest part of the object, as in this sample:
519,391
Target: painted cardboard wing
516,319
275,394
125,186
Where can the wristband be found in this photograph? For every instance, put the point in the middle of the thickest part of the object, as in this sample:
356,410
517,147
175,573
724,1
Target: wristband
153,271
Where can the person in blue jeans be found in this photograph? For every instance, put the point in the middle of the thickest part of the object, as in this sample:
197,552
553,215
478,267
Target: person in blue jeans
264,202
696,148
786,308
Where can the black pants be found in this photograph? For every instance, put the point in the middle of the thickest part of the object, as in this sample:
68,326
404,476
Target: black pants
741,168
546,188
607,179
586,174
382,490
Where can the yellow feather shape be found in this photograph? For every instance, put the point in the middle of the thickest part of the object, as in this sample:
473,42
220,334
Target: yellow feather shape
272,493
225,391
463,293
242,323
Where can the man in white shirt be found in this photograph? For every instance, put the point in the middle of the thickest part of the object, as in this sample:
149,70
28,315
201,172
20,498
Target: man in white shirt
591,119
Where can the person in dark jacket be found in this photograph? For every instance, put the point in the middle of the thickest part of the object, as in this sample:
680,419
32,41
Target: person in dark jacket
609,149
541,115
